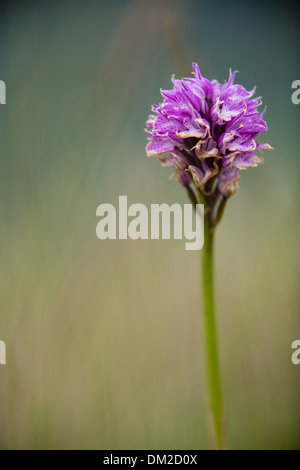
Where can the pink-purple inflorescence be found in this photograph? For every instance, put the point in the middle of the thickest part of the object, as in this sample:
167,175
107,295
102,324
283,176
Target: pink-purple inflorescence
207,132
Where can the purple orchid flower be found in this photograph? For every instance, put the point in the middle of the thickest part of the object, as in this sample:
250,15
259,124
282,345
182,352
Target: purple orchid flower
209,132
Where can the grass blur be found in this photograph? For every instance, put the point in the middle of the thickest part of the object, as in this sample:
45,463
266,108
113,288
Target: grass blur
104,338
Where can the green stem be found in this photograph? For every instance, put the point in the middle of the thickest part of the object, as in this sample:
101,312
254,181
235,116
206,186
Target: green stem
213,368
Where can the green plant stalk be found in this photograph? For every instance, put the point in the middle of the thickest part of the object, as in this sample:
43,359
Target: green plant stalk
212,360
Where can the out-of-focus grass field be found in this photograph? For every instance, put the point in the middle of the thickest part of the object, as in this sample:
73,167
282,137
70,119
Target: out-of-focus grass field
104,338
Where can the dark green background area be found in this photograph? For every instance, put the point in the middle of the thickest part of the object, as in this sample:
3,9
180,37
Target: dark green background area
104,338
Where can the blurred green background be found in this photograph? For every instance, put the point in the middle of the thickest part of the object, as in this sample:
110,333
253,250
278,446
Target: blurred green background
104,338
